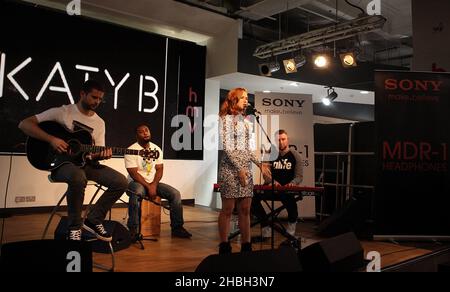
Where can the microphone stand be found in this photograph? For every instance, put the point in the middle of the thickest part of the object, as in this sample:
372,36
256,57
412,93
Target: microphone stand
272,242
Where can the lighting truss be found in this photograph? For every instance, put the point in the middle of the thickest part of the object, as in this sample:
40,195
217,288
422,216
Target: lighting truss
321,36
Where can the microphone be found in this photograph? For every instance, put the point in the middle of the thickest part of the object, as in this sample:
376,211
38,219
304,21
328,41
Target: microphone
250,110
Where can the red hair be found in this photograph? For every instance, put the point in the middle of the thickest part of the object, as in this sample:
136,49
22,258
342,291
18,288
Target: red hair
229,105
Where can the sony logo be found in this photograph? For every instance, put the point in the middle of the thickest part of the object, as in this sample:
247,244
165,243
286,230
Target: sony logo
412,85
278,102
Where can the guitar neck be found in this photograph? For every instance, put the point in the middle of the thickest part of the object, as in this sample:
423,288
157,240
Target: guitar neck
115,150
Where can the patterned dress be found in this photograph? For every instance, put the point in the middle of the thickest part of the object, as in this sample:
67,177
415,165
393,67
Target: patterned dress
236,155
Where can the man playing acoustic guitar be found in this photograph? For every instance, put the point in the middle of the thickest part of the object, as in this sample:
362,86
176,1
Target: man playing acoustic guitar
81,116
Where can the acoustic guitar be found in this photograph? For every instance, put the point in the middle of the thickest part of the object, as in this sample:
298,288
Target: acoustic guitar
42,155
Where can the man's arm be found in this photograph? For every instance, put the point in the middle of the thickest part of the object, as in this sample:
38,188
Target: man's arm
150,187
133,172
159,173
30,126
298,178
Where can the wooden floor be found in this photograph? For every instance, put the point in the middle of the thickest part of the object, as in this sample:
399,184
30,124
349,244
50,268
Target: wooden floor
183,255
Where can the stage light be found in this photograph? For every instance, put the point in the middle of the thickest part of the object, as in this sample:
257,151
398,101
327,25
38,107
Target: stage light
321,61
348,60
267,69
331,96
326,101
291,65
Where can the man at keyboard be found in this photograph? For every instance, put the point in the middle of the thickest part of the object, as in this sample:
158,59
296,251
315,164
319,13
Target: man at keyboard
287,171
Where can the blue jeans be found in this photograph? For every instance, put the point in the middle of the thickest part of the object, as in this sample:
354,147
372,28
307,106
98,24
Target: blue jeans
136,192
77,178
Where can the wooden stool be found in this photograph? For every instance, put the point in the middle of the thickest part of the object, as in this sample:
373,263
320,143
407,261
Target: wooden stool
151,217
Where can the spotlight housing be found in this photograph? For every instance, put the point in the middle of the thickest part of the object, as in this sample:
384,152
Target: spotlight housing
331,96
267,69
291,65
348,60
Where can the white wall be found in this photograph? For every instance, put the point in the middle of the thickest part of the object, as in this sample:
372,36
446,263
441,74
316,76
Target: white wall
27,181
207,174
222,52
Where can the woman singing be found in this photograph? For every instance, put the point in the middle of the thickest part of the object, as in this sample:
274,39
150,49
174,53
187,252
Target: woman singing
235,175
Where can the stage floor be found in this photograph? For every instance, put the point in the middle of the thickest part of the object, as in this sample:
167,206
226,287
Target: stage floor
183,255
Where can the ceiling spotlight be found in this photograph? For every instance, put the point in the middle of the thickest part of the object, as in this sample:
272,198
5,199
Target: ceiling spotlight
291,65
348,60
321,61
267,69
331,96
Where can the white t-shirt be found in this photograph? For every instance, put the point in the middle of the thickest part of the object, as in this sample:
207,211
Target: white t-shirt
67,115
146,168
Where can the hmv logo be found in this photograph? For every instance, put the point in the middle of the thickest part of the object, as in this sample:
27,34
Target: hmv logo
282,164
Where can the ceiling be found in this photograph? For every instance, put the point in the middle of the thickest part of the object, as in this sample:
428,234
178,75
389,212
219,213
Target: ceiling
268,21
272,20
255,83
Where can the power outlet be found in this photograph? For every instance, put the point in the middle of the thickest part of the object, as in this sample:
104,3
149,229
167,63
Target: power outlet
30,199
20,199
25,199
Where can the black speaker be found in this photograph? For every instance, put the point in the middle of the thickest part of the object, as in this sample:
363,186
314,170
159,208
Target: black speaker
121,238
284,259
46,256
343,253
444,267
352,217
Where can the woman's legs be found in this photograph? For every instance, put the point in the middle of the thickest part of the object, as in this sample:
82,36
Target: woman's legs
225,218
244,218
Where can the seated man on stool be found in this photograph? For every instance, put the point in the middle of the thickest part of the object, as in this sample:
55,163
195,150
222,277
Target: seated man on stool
287,171
144,181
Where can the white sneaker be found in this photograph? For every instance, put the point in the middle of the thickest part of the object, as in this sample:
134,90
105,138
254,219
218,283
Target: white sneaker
291,228
267,232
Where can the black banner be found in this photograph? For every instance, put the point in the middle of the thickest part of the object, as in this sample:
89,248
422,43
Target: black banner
412,112
46,55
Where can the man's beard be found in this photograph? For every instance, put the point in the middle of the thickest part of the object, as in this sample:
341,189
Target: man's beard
283,149
144,141
87,106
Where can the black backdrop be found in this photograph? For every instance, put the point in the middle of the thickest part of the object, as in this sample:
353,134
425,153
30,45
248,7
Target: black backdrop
56,40
413,135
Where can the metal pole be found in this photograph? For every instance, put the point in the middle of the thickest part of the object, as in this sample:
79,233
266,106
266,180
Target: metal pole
338,195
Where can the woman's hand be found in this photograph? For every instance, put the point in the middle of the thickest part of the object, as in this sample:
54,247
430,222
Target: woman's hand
266,171
243,174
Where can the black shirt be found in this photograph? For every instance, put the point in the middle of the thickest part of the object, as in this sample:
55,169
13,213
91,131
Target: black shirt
284,168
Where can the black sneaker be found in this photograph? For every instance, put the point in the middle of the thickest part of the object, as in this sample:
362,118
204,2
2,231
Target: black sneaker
98,230
246,247
181,233
225,248
74,235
